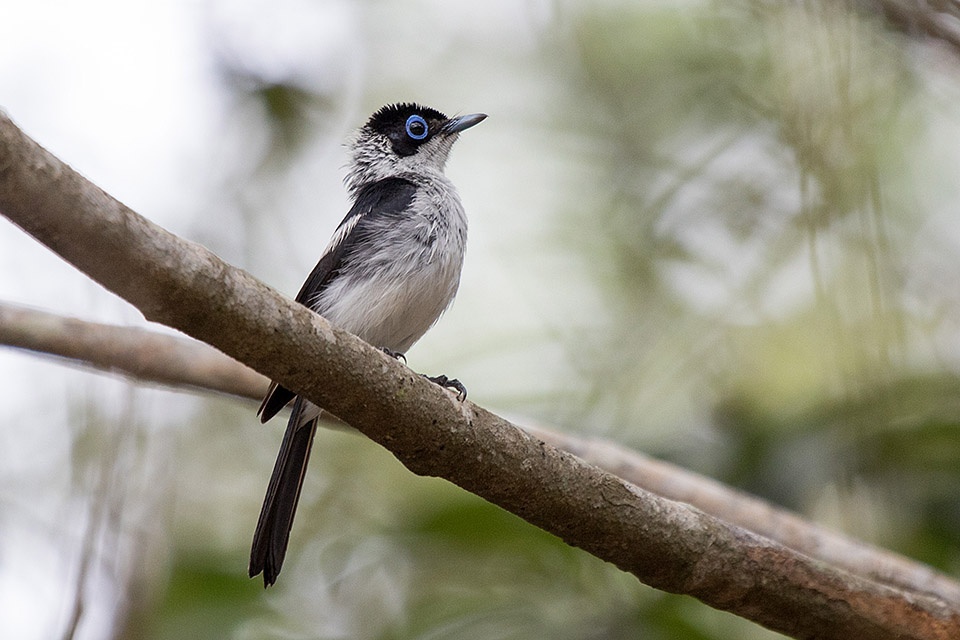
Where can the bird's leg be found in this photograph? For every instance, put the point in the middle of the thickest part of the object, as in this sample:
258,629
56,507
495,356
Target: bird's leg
443,381
449,383
396,355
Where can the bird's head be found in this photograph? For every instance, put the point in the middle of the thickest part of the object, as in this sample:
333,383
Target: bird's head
404,138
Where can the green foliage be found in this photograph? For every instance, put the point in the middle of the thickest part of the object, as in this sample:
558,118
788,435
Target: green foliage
206,596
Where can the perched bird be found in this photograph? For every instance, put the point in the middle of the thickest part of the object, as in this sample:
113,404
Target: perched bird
390,270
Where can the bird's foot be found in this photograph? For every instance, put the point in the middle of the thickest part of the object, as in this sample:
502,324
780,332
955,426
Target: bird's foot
449,383
396,355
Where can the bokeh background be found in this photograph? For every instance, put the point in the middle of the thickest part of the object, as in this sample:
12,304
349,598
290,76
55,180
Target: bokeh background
723,233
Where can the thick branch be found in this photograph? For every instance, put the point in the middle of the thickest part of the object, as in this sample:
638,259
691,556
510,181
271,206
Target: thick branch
666,544
149,356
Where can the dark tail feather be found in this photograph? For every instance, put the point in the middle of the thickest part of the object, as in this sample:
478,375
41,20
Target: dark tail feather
283,492
276,399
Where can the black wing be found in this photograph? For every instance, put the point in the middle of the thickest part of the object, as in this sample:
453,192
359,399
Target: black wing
387,197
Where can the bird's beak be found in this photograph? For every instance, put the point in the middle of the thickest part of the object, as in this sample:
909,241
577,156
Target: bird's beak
455,125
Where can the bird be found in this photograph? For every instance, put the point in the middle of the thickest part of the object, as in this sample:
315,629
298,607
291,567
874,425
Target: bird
391,268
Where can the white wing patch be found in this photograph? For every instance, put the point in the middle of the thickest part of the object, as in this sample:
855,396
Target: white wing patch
343,231
338,237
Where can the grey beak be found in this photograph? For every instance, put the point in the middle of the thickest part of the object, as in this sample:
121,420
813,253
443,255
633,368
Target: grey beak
455,125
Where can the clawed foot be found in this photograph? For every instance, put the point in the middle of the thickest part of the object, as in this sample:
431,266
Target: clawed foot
450,383
443,381
396,355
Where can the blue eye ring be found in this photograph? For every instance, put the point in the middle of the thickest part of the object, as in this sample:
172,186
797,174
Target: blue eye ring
417,127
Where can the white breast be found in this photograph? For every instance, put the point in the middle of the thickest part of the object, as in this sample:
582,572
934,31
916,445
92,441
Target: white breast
411,278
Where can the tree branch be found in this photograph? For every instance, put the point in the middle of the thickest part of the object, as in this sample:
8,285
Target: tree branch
142,354
666,544
149,356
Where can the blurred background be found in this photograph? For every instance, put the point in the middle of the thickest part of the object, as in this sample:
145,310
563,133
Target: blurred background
724,234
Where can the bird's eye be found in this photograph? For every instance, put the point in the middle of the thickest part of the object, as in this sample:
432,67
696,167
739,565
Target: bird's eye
417,127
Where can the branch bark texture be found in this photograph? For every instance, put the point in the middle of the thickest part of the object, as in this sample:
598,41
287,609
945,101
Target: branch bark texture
664,543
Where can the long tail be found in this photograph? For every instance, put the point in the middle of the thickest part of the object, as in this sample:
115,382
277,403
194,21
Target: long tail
283,493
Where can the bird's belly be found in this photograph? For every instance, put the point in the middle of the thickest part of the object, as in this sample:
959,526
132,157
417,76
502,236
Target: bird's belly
394,308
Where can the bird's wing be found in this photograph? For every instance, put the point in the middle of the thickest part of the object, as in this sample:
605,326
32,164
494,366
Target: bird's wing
388,197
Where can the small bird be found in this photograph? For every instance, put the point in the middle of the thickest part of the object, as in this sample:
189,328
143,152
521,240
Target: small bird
390,270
